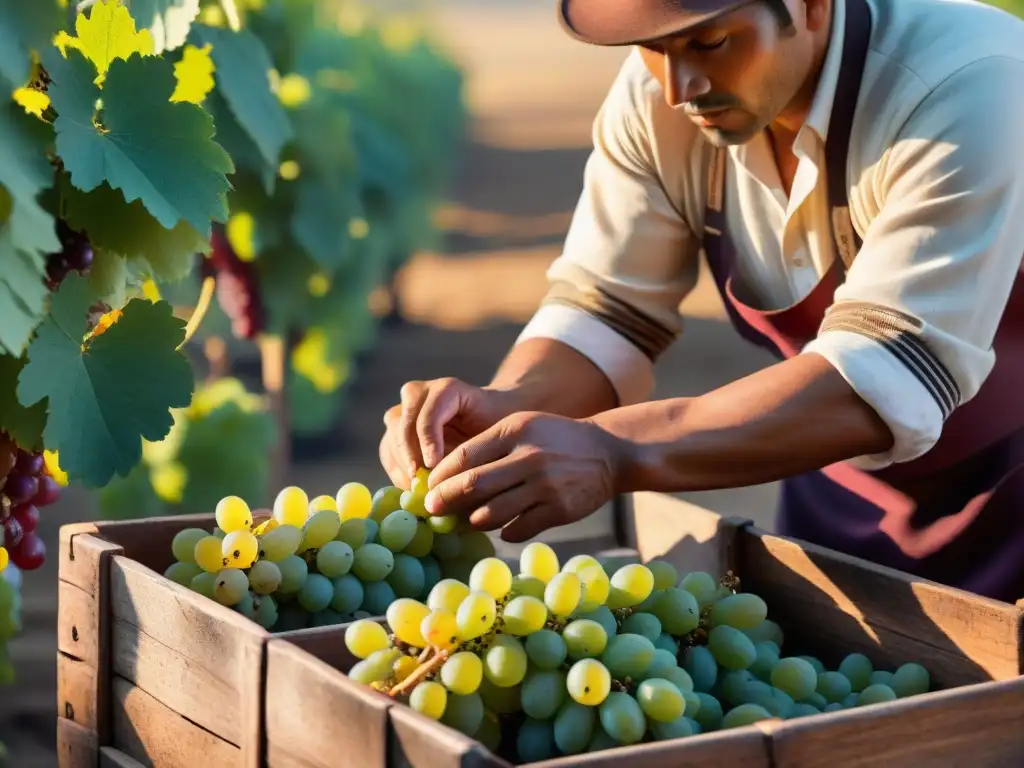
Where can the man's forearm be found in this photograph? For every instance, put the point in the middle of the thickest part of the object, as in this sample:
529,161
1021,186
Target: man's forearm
550,376
794,417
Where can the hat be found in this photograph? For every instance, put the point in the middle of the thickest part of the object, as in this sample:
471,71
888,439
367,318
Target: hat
629,22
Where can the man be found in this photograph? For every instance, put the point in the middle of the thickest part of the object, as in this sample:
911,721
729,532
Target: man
854,171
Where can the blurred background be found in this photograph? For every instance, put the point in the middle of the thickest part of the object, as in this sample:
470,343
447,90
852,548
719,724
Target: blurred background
471,121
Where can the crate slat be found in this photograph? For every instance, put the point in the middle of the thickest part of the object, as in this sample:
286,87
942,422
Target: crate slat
115,758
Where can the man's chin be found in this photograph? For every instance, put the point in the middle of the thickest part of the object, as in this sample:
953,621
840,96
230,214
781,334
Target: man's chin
728,137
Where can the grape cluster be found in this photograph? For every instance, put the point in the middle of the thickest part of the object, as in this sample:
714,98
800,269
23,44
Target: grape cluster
75,255
238,292
565,659
25,485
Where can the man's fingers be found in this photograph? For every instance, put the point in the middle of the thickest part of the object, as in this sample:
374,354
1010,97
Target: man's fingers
533,522
490,445
440,406
413,394
503,508
469,490
393,467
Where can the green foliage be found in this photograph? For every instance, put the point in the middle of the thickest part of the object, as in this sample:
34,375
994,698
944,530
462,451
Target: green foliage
25,26
168,21
25,425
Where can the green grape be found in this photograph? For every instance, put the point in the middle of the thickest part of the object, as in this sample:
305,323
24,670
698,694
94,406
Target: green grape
543,693
745,714
834,707
577,563
857,668
527,586
742,611
574,727
701,665
233,514
770,646
208,555
441,630
680,678
245,606
353,501
405,617
734,685
602,616
816,699
731,648
665,642
316,593
219,533
775,700
692,700
622,718
646,624
524,616
183,546
795,676
875,694
596,587
767,658
407,577
240,548
334,559
293,573
501,701
372,529
584,638
546,649
182,572
647,606
413,503
326,618
802,709
816,663
462,673
535,740
563,593
320,528
601,741
442,523
630,585
660,700
422,541
429,699
910,680
372,562
701,585
464,713
538,561
881,676
377,597
851,701
489,733
709,715
493,576
677,729
431,574
664,573
505,661
279,543
766,630
291,507
660,665
447,595
397,530
365,637
230,586
265,611
385,501
446,546
264,577
627,656
476,545
476,614
352,532
833,686
203,583
678,611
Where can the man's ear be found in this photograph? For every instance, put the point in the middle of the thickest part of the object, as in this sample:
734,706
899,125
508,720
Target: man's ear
818,13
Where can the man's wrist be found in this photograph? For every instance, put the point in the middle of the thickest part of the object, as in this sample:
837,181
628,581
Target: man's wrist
631,461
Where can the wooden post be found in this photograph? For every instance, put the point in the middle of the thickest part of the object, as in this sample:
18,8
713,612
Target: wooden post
273,361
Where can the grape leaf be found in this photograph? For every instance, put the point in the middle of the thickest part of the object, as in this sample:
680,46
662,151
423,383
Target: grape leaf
238,143
107,393
243,78
24,26
107,33
195,75
320,222
159,152
108,277
168,21
25,425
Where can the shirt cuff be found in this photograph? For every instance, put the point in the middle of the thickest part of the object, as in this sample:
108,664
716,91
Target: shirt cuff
887,385
628,369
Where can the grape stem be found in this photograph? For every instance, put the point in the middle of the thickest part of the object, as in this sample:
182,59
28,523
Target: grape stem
425,654
420,673
205,297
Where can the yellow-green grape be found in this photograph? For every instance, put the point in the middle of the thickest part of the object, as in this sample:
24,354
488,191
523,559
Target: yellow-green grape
208,554
733,650
595,587
660,700
441,630
282,541
701,585
664,573
354,502
745,714
447,595
405,616
363,637
876,694
743,610
910,680
677,610
377,667
404,667
233,514
584,638
489,732
322,504
562,594
505,662
413,503
219,533
385,501
462,673
622,718
630,585
264,577
529,586
525,615
770,631
240,549
422,541
578,562
230,587
476,545
419,482
184,544
628,656
203,583
442,523
319,529
352,532
291,507
538,561
182,573
475,615
429,699
492,576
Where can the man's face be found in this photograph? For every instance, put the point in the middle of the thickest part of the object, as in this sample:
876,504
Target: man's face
734,76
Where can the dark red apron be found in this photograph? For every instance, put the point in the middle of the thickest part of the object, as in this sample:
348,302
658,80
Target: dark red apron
956,514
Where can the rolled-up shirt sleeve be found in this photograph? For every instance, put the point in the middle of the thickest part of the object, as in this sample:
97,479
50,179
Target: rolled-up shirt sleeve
629,257
912,327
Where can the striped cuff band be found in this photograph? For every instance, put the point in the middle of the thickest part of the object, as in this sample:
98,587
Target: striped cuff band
900,334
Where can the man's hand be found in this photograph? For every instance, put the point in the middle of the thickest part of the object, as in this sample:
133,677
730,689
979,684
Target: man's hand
527,473
433,418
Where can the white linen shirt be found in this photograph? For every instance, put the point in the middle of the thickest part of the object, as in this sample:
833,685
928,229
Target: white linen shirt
935,173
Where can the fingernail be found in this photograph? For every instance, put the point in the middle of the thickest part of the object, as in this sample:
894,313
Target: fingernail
430,502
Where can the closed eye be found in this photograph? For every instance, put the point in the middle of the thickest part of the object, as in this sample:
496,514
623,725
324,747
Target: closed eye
715,44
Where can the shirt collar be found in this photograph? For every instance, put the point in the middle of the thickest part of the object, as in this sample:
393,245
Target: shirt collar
821,106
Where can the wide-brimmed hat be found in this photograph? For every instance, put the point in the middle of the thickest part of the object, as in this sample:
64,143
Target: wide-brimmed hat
630,22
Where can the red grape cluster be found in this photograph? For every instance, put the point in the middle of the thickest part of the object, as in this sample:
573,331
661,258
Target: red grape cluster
25,485
237,291
75,255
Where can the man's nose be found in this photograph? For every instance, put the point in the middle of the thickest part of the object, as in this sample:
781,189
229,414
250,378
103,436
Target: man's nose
683,83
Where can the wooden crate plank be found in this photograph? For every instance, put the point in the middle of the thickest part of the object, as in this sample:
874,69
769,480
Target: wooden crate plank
325,643
737,748
212,641
418,742
82,554
77,686
115,758
156,736
77,747
314,713
971,638
78,623
977,726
